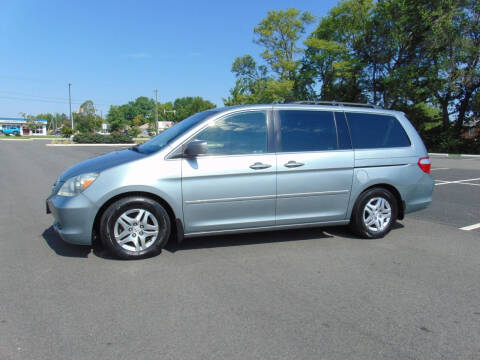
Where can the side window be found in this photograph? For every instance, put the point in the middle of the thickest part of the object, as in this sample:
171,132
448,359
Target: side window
344,141
238,134
372,131
307,131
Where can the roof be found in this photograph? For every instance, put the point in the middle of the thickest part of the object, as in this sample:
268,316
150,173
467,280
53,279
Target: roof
310,106
6,120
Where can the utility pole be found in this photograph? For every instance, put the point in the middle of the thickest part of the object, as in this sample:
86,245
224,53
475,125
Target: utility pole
70,101
156,111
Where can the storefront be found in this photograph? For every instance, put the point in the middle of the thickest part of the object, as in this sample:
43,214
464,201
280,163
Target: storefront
20,126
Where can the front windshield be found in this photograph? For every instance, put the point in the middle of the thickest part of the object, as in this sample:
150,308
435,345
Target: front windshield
167,136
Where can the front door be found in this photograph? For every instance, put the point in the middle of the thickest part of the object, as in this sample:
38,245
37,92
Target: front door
314,167
233,186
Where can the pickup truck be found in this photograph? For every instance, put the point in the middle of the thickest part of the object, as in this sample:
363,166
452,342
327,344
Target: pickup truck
10,130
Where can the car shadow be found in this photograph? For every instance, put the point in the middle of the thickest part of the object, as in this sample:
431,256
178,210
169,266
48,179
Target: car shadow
345,232
62,248
253,238
69,250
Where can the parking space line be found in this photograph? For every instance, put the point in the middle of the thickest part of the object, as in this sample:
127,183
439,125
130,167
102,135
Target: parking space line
456,181
439,169
466,183
471,227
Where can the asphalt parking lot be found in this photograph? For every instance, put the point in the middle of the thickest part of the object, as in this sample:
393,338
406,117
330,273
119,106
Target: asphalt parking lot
302,294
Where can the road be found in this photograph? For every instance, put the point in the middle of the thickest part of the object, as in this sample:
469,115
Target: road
302,294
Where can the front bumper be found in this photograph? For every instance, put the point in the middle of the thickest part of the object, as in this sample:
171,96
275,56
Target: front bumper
74,217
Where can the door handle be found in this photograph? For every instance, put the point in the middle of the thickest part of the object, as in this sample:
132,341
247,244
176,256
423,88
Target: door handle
293,164
259,166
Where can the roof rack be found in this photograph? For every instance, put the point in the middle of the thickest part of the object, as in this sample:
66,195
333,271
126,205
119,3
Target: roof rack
336,103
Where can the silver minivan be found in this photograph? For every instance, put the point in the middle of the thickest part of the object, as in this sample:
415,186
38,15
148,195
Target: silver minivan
244,169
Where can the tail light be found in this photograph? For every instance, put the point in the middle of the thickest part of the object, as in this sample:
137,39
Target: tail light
425,164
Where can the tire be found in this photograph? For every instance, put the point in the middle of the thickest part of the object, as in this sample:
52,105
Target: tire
374,213
128,228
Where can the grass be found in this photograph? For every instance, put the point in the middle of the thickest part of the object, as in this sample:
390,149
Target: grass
30,137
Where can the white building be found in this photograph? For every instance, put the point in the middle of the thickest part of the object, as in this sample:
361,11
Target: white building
13,125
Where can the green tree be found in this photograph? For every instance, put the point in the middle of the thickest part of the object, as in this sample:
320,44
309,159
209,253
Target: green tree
279,34
454,54
86,120
187,106
333,56
66,131
116,118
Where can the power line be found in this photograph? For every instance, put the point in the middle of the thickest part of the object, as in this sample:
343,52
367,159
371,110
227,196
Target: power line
53,99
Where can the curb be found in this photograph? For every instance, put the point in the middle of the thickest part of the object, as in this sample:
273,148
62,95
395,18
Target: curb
28,139
89,144
454,155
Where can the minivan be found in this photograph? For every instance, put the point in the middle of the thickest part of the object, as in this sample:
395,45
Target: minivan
246,169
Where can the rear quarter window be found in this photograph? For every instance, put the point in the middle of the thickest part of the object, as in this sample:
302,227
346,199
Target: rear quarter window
373,131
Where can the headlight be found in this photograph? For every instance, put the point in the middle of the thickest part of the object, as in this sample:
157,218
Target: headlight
77,184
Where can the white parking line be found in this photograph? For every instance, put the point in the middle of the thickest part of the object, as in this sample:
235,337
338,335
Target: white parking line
456,181
439,169
471,227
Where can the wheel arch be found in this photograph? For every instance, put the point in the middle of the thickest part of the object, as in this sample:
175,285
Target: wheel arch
393,190
175,222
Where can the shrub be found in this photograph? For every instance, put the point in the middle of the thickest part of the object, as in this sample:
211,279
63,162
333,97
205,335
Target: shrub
438,139
114,138
66,131
134,131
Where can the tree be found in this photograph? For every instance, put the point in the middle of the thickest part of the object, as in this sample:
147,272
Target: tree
85,119
454,50
401,54
67,131
187,106
140,111
333,57
116,118
279,34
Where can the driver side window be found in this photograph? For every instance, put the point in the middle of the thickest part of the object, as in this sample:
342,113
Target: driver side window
238,134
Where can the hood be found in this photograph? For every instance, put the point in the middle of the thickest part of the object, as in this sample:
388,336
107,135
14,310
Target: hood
101,163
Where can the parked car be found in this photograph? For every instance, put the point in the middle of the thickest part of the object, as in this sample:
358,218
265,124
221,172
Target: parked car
244,169
10,130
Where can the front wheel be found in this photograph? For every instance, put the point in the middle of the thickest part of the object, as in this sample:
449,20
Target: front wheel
374,213
135,227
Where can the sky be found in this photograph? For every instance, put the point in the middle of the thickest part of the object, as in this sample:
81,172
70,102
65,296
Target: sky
114,51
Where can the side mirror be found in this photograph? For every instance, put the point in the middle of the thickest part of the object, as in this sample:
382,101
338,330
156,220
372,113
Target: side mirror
195,148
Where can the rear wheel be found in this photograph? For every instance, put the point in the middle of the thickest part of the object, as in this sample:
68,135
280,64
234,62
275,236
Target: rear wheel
374,213
135,227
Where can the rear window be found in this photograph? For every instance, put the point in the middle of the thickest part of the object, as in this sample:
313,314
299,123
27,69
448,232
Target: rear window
307,131
372,131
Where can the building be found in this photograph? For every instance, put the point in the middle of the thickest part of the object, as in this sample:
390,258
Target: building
471,128
6,123
164,125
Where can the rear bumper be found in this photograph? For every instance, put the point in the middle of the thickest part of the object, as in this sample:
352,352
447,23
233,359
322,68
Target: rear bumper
422,195
74,218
